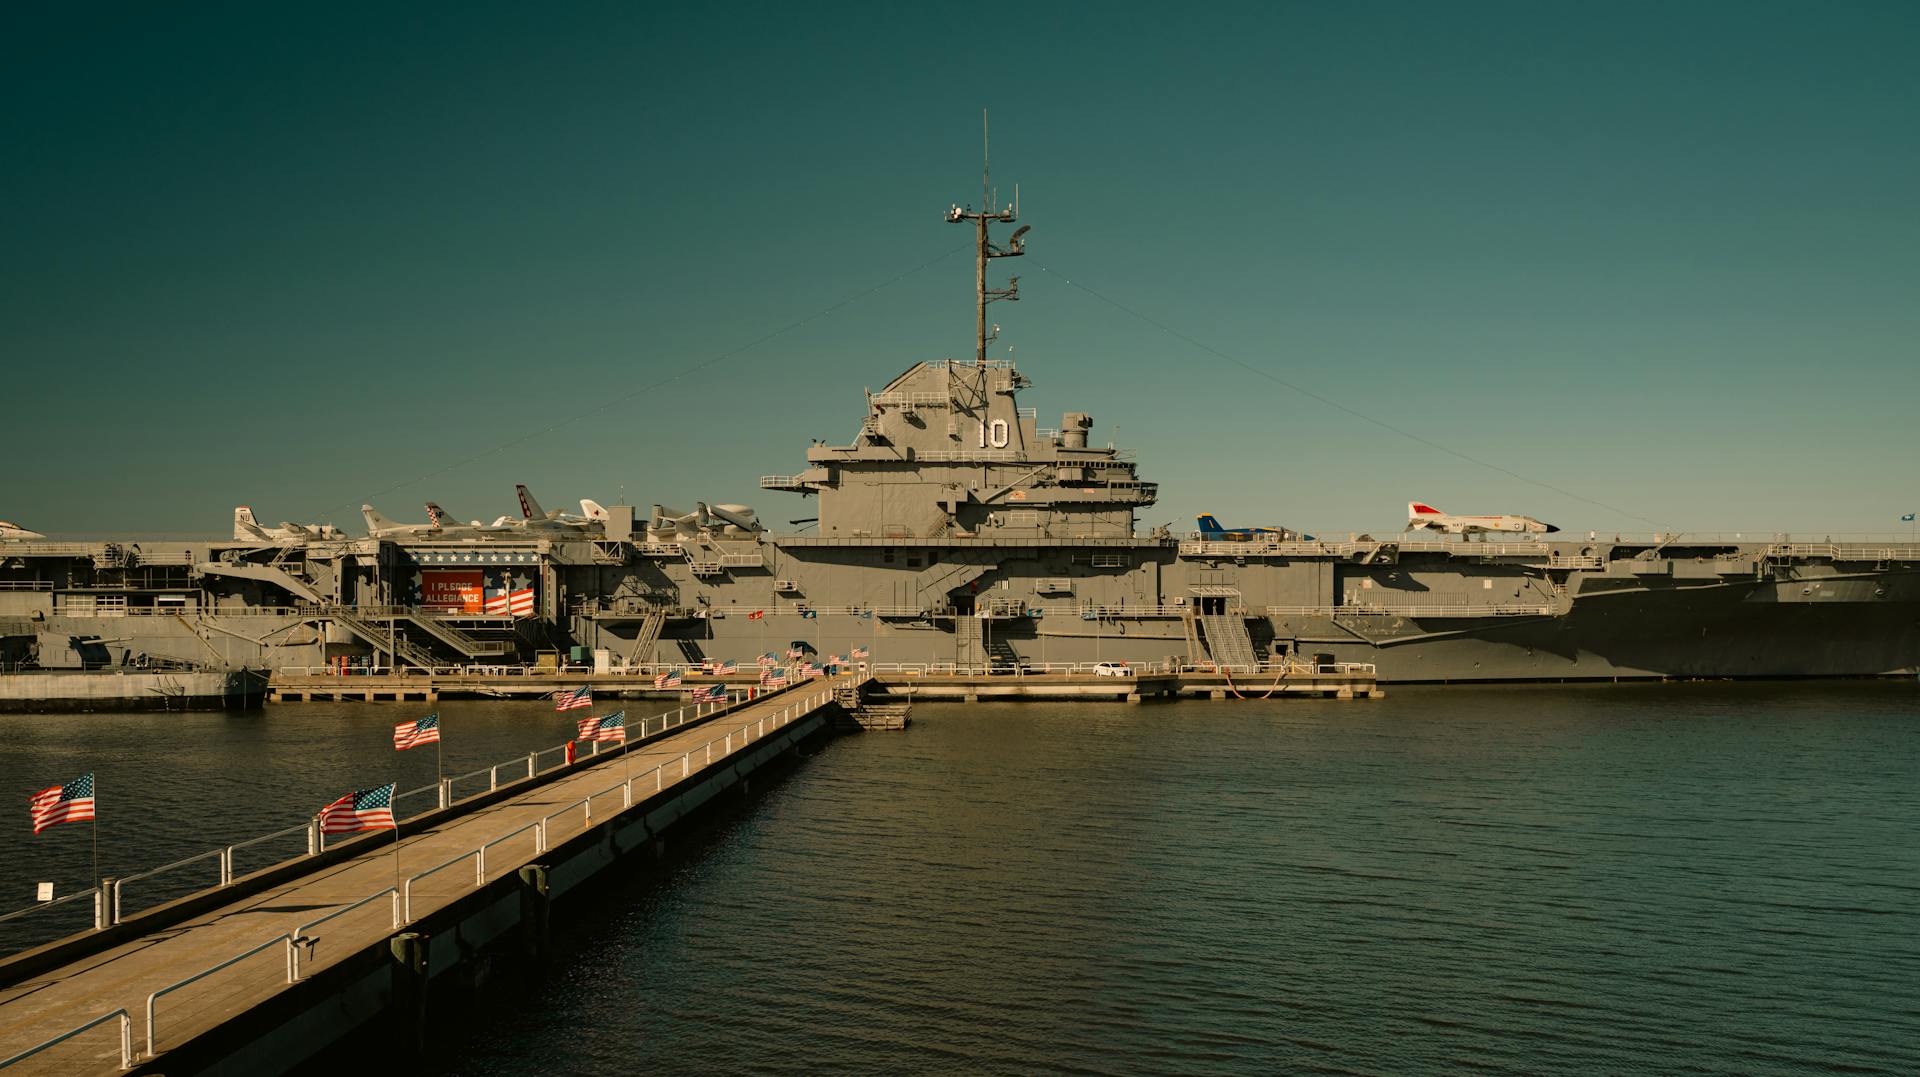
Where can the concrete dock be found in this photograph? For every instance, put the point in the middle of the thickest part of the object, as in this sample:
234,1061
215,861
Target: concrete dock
928,682
259,975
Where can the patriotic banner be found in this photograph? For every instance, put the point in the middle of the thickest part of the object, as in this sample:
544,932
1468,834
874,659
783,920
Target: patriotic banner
362,809
606,727
725,669
413,734
808,669
712,693
574,700
518,603
859,653
670,679
773,678
768,659
69,803
836,660
451,590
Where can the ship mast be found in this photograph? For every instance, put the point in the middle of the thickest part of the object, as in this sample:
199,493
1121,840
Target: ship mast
983,245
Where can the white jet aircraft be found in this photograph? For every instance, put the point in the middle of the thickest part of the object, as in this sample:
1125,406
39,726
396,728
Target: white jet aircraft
1426,517
248,529
15,531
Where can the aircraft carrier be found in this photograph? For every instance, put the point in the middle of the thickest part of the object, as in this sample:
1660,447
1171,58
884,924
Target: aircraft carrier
955,531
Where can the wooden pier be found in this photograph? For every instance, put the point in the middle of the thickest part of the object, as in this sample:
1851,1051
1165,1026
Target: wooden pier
257,975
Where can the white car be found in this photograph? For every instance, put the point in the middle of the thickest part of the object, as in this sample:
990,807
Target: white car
1111,669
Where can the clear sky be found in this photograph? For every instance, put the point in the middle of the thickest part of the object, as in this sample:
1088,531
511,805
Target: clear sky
1659,257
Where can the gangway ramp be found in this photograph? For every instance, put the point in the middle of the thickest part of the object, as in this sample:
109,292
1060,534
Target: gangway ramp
292,965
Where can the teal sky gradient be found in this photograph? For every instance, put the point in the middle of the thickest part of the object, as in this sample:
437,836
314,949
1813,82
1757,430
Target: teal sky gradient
1659,256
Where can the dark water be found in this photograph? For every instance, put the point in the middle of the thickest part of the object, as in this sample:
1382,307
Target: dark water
1683,879
1629,879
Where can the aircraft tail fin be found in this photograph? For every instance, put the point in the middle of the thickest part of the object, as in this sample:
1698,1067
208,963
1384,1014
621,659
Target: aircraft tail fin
591,510
1209,525
437,516
376,521
1416,508
529,508
244,525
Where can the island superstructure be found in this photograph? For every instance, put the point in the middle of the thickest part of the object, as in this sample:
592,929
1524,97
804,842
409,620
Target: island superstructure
955,530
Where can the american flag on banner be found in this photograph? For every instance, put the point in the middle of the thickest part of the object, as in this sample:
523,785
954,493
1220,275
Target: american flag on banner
712,693
574,700
415,733
795,652
808,669
69,803
859,653
773,678
606,727
836,660
669,679
725,669
362,809
768,659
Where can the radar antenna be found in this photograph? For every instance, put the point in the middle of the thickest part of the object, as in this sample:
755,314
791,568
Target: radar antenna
990,210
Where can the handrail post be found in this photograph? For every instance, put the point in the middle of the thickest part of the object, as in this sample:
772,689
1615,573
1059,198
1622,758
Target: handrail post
480,866
313,837
396,908
292,961
126,1040
446,793
532,763
685,764
493,777
226,866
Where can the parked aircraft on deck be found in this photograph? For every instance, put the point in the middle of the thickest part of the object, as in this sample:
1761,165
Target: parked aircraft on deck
248,529
1211,531
15,531
1426,517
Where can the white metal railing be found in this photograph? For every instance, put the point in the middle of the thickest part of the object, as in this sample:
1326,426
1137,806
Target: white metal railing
1366,609
969,456
1845,551
779,482
153,1000
126,1039
1094,611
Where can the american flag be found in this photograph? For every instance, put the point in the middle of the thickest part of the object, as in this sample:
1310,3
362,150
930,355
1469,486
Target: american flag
669,679
69,803
725,668
836,660
606,727
767,659
859,653
774,677
712,693
415,733
574,700
362,809
808,669
795,652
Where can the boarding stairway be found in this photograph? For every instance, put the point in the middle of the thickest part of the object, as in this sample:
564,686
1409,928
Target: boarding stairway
463,642
1228,642
968,652
382,639
648,635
